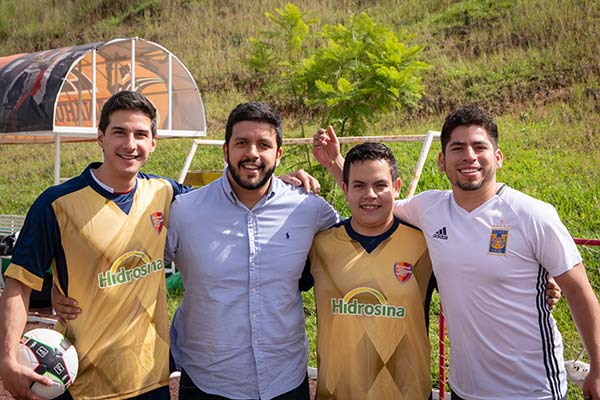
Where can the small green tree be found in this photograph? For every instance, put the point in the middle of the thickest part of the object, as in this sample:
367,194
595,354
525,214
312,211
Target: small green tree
363,70
342,75
346,75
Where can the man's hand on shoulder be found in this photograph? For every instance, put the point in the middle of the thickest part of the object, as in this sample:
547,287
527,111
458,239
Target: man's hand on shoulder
304,179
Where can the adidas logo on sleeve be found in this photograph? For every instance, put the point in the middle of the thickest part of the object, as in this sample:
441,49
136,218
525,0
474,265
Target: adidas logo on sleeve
441,234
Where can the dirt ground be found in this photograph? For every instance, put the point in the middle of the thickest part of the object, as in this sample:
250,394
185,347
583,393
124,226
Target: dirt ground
174,384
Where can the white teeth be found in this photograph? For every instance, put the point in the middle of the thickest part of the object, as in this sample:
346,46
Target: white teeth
370,206
468,171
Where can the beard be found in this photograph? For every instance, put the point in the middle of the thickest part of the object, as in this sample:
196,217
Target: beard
249,185
469,186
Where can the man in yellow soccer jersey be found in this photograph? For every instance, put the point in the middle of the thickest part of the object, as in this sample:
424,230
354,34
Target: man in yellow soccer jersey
104,234
373,282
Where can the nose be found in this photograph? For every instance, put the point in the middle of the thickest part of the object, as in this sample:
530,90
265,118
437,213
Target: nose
469,153
370,193
129,142
252,152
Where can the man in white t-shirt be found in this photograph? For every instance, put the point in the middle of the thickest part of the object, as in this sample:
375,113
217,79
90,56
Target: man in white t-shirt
492,249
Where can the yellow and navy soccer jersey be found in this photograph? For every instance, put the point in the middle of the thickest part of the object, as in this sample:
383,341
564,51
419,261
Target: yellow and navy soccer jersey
106,251
372,296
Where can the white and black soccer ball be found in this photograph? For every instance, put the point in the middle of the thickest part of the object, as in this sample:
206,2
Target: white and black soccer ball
49,353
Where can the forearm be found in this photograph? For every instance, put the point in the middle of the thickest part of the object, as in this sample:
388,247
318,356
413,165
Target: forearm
584,310
586,315
336,169
13,317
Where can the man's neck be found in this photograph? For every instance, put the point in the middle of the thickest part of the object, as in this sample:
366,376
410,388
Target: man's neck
469,200
118,184
249,197
371,231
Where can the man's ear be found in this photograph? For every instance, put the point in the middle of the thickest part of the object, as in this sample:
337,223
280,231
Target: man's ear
499,158
225,152
397,187
279,154
441,166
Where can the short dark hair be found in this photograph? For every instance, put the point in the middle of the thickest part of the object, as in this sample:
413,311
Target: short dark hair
468,116
129,101
370,151
254,111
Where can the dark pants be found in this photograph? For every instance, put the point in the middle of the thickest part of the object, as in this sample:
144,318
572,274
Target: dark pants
189,391
162,393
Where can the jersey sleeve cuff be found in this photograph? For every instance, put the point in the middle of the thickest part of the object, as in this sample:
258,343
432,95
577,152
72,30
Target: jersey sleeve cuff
22,275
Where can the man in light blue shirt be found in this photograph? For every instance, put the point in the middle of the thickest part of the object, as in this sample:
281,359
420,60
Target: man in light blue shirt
241,244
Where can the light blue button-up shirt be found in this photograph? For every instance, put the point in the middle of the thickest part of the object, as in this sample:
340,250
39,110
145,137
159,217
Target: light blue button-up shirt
239,331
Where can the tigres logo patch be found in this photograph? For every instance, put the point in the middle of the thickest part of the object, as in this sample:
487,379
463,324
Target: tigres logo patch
498,240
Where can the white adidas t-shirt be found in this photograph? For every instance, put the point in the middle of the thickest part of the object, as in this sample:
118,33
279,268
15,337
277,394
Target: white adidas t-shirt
491,266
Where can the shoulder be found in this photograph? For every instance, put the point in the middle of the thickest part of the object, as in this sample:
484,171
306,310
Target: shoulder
292,191
158,180
526,206
408,226
53,193
200,195
298,194
421,203
332,233
432,197
43,207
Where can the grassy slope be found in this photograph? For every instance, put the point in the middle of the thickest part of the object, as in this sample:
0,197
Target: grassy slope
533,63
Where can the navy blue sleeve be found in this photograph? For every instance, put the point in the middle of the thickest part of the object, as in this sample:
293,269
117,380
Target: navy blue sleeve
306,280
39,239
427,302
179,188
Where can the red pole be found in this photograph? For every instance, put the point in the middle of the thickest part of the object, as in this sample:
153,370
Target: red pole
442,338
587,242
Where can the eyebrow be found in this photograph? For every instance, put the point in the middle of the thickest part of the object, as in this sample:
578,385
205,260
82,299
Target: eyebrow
464,142
374,183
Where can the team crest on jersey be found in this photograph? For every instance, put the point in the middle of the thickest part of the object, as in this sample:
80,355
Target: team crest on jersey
157,220
403,271
498,240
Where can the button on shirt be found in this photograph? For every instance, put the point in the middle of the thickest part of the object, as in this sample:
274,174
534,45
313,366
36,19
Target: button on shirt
239,331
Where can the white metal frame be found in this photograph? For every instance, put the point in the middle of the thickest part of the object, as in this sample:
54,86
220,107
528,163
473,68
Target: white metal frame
427,139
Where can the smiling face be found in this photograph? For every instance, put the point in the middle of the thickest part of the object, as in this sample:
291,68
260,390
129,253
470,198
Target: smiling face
370,193
126,144
252,155
470,161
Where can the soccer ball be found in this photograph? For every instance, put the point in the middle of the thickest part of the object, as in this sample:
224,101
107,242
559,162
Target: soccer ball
49,353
